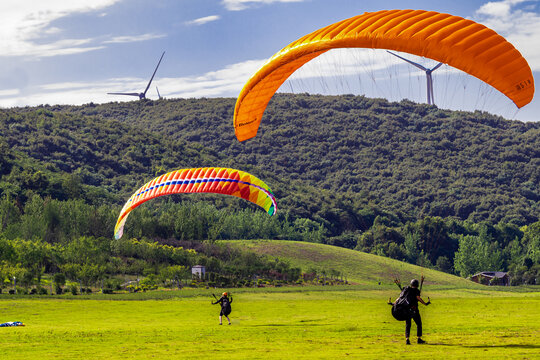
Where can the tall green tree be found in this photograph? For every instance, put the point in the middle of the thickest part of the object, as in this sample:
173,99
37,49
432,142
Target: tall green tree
475,254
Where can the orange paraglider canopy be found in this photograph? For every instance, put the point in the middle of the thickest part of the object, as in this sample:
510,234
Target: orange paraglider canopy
458,42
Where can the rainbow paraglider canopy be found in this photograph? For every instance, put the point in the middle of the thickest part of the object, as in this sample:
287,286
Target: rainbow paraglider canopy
201,180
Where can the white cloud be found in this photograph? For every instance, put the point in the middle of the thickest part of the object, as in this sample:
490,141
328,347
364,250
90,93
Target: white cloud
496,9
9,92
133,38
225,82
61,47
499,8
519,24
236,5
23,25
203,20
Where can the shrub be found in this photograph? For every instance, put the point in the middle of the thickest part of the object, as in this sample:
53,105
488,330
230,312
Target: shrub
133,288
22,291
113,284
73,289
59,279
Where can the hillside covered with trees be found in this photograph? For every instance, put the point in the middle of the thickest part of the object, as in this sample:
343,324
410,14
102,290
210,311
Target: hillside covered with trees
413,159
453,190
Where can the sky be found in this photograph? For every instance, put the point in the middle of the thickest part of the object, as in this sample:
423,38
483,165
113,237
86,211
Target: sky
76,51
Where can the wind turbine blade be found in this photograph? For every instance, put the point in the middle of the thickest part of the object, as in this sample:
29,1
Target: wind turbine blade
409,61
436,66
159,96
119,93
159,62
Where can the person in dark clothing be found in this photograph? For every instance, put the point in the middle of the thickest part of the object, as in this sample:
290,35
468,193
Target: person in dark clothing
225,303
413,297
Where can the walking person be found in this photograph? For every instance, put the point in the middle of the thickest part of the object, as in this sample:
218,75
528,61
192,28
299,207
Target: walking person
408,301
226,309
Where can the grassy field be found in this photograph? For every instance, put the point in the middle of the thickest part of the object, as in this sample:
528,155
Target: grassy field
465,321
288,323
358,267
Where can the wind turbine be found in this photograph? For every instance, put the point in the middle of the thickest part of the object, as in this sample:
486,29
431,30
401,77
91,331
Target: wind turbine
143,94
429,79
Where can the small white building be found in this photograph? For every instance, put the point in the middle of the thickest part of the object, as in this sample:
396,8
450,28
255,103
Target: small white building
198,271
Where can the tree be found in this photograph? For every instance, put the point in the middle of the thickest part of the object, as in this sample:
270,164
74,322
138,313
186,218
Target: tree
310,230
90,273
174,273
9,213
59,281
531,239
444,264
475,254
412,252
431,234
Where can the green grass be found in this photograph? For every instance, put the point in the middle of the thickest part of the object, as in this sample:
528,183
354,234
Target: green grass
358,267
288,323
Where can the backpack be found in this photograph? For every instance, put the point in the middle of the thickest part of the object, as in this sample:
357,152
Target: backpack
401,310
226,306
225,303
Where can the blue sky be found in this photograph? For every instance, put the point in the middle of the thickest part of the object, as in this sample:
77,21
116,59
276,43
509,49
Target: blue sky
75,51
